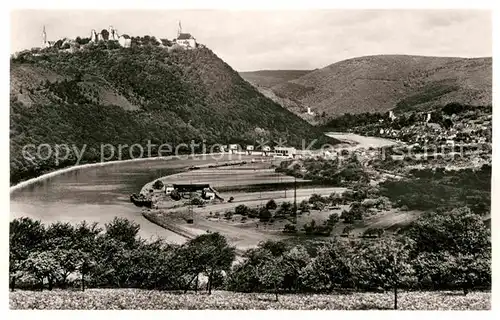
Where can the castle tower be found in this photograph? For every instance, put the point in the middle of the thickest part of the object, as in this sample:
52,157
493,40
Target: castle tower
44,38
111,33
179,30
93,36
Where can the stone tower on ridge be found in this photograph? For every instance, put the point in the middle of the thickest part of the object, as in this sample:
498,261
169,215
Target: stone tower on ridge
113,33
44,38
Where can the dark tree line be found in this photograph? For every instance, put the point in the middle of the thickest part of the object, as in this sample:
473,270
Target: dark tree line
441,250
85,255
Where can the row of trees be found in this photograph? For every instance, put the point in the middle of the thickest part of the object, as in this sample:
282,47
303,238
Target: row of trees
62,255
440,251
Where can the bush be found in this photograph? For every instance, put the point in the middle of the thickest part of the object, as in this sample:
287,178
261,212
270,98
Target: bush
318,198
333,219
241,209
314,229
373,232
271,205
196,201
347,230
304,206
286,208
158,185
253,213
290,228
175,195
264,215
318,205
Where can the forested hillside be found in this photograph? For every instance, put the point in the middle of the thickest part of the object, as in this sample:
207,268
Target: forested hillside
104,94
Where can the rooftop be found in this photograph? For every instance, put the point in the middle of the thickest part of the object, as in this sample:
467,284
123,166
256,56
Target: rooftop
185,36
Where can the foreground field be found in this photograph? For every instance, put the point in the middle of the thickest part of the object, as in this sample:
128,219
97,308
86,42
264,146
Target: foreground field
144,299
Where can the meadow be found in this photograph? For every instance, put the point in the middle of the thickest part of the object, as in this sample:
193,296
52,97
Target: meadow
99,299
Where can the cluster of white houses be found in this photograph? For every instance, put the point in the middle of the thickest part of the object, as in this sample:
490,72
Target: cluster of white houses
204,190
184,40
289,152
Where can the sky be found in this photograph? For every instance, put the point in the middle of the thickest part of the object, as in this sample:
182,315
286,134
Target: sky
261,40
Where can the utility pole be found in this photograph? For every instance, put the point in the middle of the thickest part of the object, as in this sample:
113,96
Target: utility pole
395,280
295,200
190,212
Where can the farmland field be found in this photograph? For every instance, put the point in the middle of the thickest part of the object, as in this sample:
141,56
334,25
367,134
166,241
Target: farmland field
146,299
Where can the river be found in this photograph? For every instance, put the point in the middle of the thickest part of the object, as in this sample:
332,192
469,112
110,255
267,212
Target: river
97,194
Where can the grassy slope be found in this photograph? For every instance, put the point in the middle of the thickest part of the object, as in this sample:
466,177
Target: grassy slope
265,80
379,83
144,299
131,95
271,78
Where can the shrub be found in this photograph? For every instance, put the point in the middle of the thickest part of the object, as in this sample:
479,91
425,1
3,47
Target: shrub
373,232
285,208
357,210
290,228
241,209
314,229
333,219
175,195
253,213
264,215
304,206
318,198
318,205
347,230
196,201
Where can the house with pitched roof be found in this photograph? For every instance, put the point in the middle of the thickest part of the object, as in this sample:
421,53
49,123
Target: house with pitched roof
125,41
185,40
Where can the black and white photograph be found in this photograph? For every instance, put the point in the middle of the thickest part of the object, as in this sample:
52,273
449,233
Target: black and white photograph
221,159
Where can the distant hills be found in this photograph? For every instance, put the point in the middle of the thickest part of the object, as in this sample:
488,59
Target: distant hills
266,80
381,83
271,78
113,95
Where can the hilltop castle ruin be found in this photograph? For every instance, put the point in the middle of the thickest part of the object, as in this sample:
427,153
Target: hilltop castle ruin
184,40
110,34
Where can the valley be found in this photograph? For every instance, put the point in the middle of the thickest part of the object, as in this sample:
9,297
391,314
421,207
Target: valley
139,163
